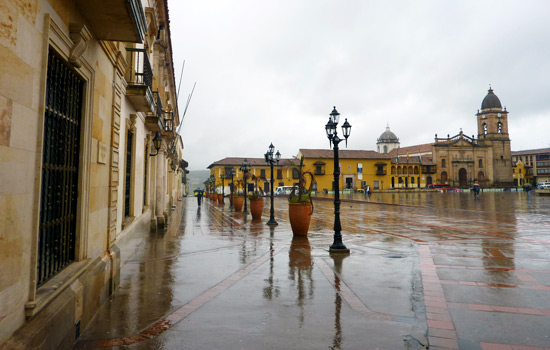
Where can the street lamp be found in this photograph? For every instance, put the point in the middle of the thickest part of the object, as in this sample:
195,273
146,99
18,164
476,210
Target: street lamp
271,160
231,173
332,134
245,167
157,142
222,177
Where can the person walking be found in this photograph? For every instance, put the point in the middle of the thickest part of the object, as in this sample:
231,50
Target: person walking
199,197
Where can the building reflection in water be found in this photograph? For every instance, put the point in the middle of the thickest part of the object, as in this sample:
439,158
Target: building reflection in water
499,253
300,265
337,339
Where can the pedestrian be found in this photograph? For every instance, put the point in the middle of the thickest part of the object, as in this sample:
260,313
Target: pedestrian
199,197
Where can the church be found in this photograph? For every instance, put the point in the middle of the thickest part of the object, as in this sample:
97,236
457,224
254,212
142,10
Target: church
462,160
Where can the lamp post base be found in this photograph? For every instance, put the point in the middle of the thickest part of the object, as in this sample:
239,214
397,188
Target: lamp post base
272,223
339,251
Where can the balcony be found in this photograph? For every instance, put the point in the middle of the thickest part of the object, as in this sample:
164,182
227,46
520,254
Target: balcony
139,77
319,172
155,120
380,172
114,20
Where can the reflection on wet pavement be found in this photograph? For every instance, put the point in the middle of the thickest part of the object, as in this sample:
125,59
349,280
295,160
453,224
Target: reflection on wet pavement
424,267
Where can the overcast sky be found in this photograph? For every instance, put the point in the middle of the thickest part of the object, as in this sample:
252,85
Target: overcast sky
270,71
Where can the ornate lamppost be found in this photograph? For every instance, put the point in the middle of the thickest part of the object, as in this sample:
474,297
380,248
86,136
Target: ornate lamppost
245,167
271,159
222,177
332,134
227,175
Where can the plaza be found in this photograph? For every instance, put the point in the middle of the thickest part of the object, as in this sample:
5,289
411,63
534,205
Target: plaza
443,270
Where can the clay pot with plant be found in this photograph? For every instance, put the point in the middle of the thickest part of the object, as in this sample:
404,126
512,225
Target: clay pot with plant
256,198
300,205
238,198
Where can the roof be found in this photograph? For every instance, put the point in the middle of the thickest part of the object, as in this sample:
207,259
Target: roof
387,137
413,159
531,151
491,101
343,154
413,150
255,162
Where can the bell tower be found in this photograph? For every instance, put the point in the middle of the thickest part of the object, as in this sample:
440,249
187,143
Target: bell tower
492,130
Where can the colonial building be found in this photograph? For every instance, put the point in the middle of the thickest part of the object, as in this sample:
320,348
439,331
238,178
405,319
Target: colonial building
282,172
537,163
462,160
359,169
89,159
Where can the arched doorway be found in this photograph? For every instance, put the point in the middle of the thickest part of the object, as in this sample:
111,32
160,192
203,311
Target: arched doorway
428,180
443,176
463,177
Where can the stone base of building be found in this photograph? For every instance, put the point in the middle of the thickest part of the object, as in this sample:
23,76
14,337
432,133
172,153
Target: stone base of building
76,300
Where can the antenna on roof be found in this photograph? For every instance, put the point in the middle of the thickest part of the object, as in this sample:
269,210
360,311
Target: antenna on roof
181,76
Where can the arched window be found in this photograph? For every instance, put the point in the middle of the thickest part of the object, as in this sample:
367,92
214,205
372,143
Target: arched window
398,170
480,163
485,128
443,176
416,171
385,149
393,170
410,170
499,127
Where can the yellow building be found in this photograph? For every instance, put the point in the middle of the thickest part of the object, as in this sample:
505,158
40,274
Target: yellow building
520,173
413,167
359,169
282,172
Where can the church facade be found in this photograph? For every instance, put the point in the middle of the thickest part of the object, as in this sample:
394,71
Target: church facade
461,160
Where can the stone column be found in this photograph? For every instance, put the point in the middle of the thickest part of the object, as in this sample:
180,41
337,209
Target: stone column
160,189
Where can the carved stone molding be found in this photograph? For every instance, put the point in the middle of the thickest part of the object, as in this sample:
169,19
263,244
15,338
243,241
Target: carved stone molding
80,35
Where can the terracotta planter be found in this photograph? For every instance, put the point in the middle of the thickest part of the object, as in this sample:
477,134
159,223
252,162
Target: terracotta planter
300,217
220,198
257,208
238,203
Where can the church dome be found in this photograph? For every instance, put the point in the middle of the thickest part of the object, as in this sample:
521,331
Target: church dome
491,101
388,136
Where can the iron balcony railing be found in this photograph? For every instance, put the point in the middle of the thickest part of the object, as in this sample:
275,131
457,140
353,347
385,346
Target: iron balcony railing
139,72
380,172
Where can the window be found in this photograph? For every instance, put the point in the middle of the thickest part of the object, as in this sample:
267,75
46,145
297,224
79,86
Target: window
60,165
262,173
443,163
376,185
485,128
385,149
319,170
280,175
499,127
295,174
480,165
128,173
443,176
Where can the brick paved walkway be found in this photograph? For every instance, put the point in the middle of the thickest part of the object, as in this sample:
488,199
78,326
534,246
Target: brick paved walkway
462,275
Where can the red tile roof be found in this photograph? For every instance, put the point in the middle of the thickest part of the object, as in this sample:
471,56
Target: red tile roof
531,151
238,161
413,150
343,154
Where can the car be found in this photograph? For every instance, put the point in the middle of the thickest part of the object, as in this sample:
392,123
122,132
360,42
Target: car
284,190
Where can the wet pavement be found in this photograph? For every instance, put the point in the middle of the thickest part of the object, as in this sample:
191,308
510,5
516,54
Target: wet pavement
444,270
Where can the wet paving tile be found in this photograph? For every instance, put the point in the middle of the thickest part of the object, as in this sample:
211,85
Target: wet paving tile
443,269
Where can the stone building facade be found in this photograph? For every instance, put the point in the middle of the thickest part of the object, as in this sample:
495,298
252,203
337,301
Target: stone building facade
87,95
462,160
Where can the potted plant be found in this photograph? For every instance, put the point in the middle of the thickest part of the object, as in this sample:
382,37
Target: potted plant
300,205
256,199
238,199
